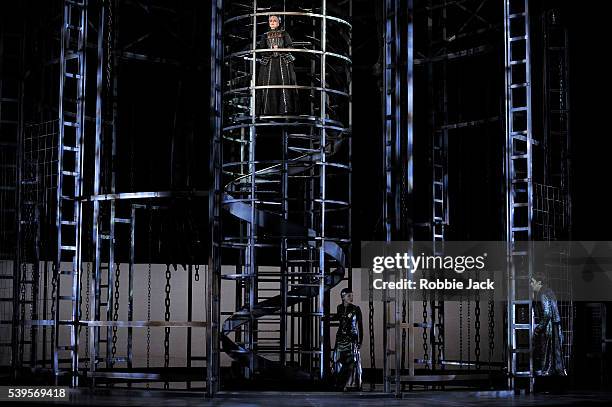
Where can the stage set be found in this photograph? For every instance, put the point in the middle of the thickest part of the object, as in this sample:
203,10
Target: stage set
185,187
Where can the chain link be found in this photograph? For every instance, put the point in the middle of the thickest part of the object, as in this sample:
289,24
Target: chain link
116,308
197,272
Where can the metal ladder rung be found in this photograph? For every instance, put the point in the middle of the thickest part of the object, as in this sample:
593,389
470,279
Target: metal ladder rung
122,220
68,248
518,38
74,27
70,173
69,222
516,15
70,148
67,298
72,75
71,124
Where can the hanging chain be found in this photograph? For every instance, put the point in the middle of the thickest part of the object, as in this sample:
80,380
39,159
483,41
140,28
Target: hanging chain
477,325
148,318
477,334
491,326
197,272
116,308
24,271
403,331
461,331
109,30
469,330
425,345
371,329
149,292
167,318
87,316
53,289
22,304
440,334
80,295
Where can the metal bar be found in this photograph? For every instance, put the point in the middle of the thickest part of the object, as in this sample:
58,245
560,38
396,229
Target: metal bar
94,288
214,262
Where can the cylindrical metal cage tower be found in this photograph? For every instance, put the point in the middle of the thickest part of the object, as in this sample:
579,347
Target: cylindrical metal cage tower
285,186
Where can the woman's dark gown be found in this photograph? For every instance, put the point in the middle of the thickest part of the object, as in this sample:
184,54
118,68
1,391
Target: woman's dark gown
276,68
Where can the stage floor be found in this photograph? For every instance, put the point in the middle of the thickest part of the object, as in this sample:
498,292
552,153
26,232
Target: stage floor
153,398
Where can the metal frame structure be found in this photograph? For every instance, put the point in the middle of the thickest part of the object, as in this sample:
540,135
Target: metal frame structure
432,54
91,222
519,188
279,313
11,126
398,162
213,314
289,196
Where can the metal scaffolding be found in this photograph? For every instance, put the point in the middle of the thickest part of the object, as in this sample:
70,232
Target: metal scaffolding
280,197
11,126
416,205
283,183
79,225
398,164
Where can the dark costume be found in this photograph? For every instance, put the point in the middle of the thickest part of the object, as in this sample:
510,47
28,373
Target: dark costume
347,359
276,68
549,335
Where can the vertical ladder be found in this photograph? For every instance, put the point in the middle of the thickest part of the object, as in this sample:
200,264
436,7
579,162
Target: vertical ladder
69,183
439,165
519,188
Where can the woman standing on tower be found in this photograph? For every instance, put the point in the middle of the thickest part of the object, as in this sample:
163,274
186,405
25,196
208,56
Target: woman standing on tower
276,68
